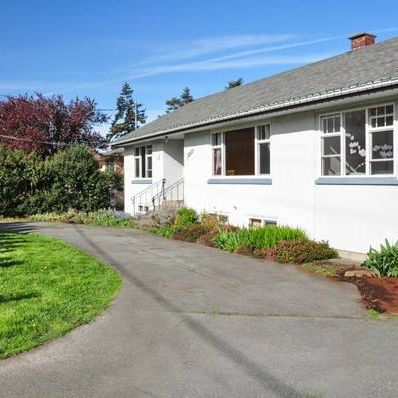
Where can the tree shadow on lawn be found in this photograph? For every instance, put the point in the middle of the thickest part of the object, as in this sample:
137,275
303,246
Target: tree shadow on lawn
22,227
5,298
9,242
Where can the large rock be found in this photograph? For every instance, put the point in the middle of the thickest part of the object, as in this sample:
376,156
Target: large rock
359,273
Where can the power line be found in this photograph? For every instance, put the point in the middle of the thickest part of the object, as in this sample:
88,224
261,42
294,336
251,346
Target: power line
36,141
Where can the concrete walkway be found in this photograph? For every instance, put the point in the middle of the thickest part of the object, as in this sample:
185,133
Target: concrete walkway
197,322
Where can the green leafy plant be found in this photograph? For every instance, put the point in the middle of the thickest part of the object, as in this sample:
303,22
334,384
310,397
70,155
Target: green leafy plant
167,231
303,251
260,238
383,262
186,216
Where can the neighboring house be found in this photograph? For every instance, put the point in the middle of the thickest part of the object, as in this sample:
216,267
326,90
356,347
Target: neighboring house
314,147
112,160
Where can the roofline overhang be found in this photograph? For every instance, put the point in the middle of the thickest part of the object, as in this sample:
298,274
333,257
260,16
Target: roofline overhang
290,106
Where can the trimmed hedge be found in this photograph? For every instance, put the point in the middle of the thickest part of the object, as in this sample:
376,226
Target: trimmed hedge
70,179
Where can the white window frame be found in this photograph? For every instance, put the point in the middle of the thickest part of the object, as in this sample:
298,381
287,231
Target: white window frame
220,145
257,142
147,156
368,136
324,135
138,157
374,130
256,150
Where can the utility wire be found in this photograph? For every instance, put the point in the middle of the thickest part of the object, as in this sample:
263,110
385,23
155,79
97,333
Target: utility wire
36,141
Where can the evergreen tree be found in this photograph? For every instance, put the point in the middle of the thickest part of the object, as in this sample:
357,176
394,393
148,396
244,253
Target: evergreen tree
234,83
173,104
124,120
186,96
177,102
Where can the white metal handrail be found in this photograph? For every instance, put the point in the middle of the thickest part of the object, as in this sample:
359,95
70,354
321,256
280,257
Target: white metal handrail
172,195
143,199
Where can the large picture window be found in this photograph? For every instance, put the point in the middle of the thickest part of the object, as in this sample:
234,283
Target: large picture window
241,152
358,142
143,162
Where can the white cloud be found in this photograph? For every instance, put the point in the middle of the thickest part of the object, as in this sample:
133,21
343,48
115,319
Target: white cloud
228,64
210,45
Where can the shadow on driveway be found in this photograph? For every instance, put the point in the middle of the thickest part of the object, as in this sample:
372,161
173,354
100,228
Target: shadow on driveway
251,368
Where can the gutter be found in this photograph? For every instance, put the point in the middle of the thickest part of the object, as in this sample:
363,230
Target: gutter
277,106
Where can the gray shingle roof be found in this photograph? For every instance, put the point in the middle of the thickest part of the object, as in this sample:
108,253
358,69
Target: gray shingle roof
357,68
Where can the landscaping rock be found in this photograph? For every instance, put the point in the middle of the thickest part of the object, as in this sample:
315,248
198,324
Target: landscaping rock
359,273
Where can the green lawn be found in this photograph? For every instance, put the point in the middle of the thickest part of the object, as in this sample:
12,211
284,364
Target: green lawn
46,289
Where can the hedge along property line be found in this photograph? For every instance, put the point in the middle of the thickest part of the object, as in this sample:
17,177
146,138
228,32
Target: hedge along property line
46,289
31,184
107,218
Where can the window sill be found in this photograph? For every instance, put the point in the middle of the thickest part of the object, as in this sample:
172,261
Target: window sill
142,181
241,180
356,181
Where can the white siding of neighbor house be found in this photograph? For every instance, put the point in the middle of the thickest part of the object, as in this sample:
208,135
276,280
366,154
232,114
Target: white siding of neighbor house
350,217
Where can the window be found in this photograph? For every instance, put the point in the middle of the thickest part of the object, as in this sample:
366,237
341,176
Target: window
331,148
110,165
241,152
143,162
148,156
263,149
216,141
381,121
359,142
355,142
260,222
137,163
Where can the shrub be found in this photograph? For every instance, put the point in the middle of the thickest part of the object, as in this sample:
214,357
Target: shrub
186,216
166,231
383,262
260,238
107,218
302,251
77,182
190,232
30,184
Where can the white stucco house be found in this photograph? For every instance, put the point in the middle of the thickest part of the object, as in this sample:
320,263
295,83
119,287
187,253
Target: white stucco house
314,147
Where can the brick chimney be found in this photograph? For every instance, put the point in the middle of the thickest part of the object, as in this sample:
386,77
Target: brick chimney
362,40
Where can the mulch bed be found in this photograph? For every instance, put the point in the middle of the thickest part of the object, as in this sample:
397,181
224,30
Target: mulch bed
380,294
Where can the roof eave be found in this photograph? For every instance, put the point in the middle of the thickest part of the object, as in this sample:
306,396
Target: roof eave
285,105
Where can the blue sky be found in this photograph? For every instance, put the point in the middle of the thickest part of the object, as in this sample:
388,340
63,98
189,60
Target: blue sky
89,48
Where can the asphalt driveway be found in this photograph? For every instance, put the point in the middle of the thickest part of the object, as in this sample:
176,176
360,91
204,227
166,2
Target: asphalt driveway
192,321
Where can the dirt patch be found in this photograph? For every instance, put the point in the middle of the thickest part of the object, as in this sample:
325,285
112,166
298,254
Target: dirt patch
380,294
